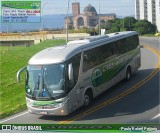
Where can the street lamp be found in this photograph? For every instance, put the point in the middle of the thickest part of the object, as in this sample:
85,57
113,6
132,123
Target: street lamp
123,24
42,23
67,23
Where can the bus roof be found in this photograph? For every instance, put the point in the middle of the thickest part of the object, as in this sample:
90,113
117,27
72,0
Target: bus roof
59,54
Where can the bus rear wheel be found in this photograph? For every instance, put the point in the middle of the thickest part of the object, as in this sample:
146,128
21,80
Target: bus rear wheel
87,99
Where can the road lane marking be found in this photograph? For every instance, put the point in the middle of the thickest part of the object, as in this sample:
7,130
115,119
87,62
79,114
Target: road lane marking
155,117
14,117
120,96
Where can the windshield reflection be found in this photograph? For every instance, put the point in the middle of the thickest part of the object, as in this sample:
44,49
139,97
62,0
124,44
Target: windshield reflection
45,81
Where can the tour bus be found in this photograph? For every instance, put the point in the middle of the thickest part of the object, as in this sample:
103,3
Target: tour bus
61,79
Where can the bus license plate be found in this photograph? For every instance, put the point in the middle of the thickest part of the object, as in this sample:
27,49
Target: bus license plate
43,113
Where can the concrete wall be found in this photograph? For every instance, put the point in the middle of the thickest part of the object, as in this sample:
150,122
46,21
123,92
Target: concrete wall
16,43
35,39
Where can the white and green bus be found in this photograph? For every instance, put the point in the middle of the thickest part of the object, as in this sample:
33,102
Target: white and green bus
61,79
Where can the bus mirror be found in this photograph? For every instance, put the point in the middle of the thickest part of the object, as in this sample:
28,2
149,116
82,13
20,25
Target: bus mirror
19,73
70,72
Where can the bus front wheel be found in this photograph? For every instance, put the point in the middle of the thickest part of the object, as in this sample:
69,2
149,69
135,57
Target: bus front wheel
128,73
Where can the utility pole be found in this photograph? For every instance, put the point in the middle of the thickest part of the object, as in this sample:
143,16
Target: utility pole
129,24
99,21
123,24
42,22
67,23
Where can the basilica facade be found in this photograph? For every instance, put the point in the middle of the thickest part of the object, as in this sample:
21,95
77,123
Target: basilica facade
89,18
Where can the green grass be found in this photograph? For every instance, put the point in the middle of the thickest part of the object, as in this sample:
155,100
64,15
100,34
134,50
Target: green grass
12,94
148,35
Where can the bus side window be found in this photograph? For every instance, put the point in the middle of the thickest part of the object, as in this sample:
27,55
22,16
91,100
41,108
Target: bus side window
119,47
133,41
89,59
116,49
113,50
106,52
75,60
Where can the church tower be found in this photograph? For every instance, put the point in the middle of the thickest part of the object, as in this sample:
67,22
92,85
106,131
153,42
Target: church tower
76,9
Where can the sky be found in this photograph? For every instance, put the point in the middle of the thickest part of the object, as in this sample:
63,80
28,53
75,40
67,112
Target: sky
120,7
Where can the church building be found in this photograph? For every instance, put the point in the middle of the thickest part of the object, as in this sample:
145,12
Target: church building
89,18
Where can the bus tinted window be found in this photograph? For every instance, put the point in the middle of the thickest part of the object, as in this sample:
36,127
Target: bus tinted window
101,54
89,59
133,41
98,56
127,44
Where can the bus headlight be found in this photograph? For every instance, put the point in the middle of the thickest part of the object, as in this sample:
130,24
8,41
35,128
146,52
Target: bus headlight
29,102
62,111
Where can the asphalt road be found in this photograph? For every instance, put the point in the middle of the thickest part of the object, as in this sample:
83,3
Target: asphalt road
139,104
151,41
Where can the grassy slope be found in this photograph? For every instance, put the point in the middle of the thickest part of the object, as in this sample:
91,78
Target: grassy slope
12,94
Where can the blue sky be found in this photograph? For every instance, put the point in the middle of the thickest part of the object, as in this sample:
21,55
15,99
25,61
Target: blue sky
120,7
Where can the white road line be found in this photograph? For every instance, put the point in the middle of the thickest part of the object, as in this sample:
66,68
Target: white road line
155,117
14,117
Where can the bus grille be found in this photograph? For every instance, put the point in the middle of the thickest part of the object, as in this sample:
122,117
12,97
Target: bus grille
43,107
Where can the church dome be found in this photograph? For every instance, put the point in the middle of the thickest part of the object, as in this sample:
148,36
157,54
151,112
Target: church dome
90,9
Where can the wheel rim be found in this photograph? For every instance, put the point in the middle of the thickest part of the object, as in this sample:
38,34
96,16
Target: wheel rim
87,100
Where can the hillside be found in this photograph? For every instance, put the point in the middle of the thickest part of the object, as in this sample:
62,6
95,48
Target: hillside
12,94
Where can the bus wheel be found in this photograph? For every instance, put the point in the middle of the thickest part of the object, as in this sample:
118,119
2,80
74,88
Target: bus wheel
128,73
87,99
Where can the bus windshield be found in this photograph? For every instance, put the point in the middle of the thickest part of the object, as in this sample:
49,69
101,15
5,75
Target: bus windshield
45,81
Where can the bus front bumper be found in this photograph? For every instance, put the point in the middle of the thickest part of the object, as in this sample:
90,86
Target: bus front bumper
41,110
48,108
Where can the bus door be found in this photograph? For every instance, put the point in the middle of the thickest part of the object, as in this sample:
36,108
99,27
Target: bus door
74,87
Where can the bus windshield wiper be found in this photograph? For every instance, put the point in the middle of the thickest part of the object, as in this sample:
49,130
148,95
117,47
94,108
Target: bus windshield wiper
44,86
36,86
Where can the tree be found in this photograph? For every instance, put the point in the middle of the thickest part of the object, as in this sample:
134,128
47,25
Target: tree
114,29
117,25
128,23
145,27
106,25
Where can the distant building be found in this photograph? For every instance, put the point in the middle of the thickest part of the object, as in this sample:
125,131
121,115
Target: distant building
89,18
149,10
